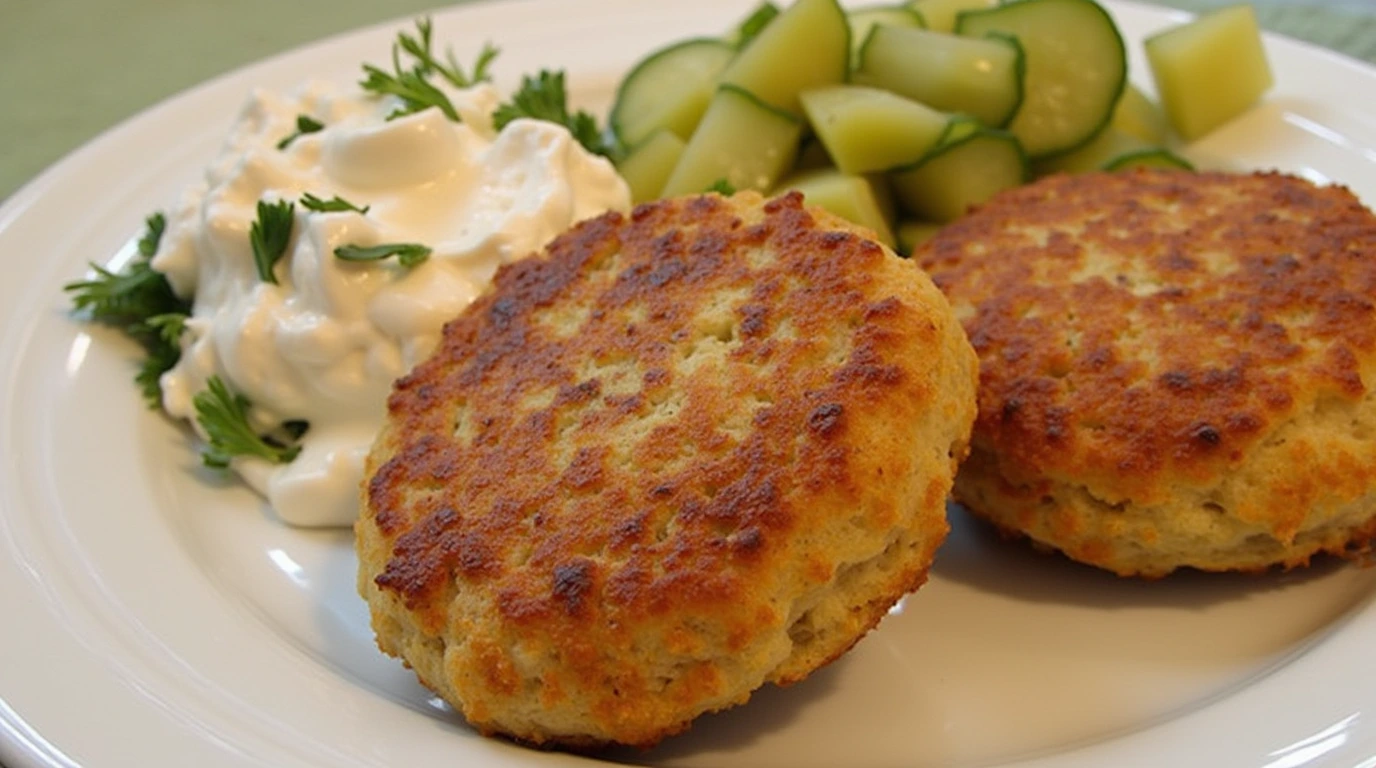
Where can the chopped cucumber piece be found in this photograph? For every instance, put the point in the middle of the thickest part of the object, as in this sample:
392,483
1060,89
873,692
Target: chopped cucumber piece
912,233
751,26
955,176
1139,116
1110,150
1076,68
940,15
1209,70
854,198
863,20
647,167
982,77
740,139
867,129
668,89
807,46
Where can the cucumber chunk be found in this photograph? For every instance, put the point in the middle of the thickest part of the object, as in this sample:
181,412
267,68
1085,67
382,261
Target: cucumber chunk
669,89
955,176
911,233
1109,151
854,198
982,77
1209,70
1137,115
863,20
940,15
806,46
752,25
867,129
647,166
1076,68
741,140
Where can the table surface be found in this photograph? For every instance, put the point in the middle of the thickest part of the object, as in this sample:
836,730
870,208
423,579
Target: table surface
73,68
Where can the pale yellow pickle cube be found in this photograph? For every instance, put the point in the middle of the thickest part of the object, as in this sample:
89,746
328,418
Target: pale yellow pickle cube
1209,70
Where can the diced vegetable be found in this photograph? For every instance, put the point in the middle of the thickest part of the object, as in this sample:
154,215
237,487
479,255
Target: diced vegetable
1076,68
1109,150
669,89
1139,116
957,175
867,129
853,198
1210,70
647,167
752,25
982,77
940,15
806,46
862,20
740,140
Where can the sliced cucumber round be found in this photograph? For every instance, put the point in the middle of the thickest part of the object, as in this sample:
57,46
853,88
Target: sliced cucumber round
669,89
806,46
942,186
866,19
868,129
1076,68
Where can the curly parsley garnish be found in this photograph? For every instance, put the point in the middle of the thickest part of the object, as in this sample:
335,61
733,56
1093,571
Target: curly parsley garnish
304,124
335,204
269,236
411,83
408,254
224,417
543,98
139,301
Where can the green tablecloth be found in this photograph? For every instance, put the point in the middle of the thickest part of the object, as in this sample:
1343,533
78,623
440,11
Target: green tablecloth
72,68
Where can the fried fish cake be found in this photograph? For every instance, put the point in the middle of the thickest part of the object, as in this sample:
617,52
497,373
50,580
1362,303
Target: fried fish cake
1176,367
682,453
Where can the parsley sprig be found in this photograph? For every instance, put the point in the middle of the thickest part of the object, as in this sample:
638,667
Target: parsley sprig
411,83
304,124
139,301
543,98
408,254
269,236
223,415
335,204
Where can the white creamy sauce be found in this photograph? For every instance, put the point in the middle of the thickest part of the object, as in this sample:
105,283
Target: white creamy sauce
325,344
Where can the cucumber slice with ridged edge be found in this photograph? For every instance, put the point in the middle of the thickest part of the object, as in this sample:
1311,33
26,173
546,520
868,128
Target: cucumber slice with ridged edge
668,89
942,186
741,140
806,46
1076,68
982,77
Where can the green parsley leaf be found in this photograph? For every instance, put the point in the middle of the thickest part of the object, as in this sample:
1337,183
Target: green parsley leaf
312,203
755,23
420,49
224,417
304,124
415,92
269,236
722,187
408,254
140,302
543,98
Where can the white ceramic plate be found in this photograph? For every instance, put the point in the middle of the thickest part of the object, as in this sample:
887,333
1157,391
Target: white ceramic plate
154,615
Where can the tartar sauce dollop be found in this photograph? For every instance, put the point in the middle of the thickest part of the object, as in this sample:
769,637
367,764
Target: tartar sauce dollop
325,344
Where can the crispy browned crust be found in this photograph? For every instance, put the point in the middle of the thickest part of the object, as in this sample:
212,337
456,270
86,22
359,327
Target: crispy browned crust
663,437
1159,335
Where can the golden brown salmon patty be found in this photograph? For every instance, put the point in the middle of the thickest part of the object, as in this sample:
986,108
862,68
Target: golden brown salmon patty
678,455
1176,368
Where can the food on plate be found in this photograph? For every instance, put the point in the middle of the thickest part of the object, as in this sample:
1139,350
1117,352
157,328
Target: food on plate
1176,369
1209,70
684,452
336,230
996,94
